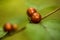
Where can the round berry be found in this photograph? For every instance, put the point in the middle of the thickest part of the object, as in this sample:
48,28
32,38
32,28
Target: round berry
31,11
8,27
14,27
36,18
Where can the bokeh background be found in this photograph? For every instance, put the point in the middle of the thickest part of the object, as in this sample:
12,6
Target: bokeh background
14,11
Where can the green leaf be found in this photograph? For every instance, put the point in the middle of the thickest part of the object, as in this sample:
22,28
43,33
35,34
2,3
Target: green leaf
37,32
53,27
2,33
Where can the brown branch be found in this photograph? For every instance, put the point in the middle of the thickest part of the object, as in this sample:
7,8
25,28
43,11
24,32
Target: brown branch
51,13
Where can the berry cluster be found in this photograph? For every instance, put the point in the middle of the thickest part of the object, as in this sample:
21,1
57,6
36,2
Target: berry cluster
31,12
9,27
34,15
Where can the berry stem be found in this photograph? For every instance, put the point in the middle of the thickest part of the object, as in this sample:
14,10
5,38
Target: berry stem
50,13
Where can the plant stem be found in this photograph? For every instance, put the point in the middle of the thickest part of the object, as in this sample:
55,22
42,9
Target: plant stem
50,13
11,34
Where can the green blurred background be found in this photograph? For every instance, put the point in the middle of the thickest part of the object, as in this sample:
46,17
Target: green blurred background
14,11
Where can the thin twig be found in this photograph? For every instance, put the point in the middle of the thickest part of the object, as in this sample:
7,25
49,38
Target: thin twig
8,34
51,13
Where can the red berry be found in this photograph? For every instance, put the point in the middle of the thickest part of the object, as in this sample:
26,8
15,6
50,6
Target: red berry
36,18
31,11
8,27
14,27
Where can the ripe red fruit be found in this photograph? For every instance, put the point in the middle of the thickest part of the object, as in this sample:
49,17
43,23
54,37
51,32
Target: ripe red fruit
31,11
8,27
36,18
